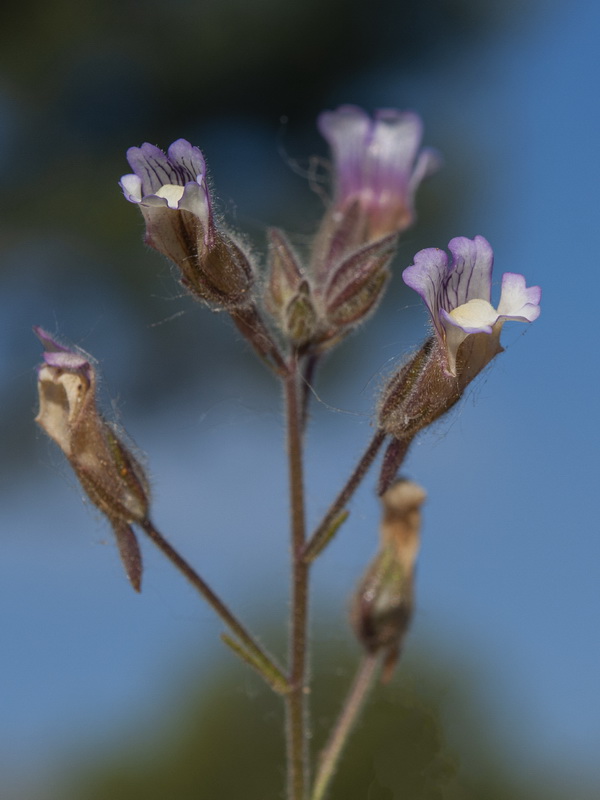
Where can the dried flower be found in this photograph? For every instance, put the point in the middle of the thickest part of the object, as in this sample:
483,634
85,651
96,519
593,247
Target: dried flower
171,192
111,477
383,603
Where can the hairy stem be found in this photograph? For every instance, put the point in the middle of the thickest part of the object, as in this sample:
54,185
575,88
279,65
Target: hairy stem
363,683
297,723
251,325
308,375
318,539
262,661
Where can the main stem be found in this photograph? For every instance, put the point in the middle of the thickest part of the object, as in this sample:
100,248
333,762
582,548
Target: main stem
297,724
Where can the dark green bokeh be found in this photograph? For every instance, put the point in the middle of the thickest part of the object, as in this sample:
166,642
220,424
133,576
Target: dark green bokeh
225,742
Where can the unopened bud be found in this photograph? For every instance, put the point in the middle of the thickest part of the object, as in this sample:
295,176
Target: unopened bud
357,284
285,273
383,604
109,474
301,317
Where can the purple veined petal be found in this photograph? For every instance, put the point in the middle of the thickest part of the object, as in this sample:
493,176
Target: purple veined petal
183,164
518,301
189,158
347,131
470,274
425,276
152,166
389,158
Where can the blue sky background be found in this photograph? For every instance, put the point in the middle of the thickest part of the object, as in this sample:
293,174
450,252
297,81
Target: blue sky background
509,577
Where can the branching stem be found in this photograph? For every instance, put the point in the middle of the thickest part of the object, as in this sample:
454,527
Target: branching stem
316,542
262,661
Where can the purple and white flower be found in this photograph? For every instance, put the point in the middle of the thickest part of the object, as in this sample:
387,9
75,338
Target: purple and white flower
377,165
171,192
458,296
175,180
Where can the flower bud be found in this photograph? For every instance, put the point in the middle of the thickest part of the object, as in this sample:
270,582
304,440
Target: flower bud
383,604
288,294
300,321
357,284
285,273
109,474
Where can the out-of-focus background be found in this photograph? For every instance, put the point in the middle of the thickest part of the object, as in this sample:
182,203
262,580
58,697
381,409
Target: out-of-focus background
106,693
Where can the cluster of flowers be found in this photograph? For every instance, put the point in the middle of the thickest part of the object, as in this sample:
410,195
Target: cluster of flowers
301,307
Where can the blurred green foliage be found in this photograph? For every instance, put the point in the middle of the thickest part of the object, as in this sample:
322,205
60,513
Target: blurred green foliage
225,741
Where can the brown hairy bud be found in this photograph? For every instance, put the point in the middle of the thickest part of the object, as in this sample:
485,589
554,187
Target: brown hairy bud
285,273
300,317
356,285
383,603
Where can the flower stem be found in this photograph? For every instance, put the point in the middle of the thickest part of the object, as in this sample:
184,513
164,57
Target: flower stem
262,661
318,540
308,374
297,724
330,756
250,324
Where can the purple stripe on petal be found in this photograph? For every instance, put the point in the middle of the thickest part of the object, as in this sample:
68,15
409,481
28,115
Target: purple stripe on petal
189,159
425,276
470,274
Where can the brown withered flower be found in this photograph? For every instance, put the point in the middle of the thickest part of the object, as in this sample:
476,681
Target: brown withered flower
109,474
383,604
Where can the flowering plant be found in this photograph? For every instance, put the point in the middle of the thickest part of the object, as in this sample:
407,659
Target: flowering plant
303,306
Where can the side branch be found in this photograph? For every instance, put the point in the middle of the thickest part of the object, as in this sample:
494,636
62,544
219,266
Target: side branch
261,660
363,683
322,533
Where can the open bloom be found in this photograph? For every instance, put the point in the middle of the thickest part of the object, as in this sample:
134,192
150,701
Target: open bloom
174,180
466,334
378,166
171,192
458,297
